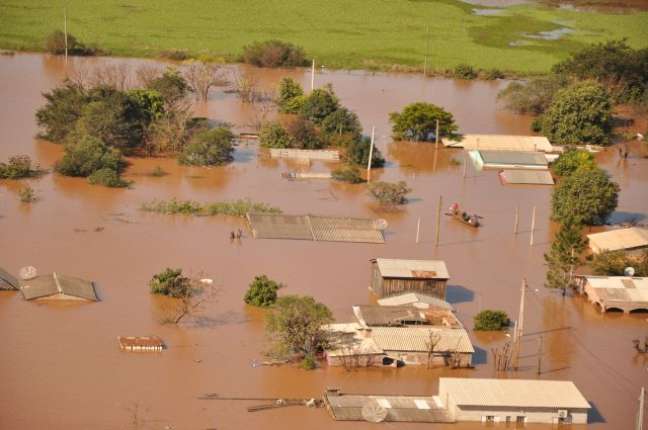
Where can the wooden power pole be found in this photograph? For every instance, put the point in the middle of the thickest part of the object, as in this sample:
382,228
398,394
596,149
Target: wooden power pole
65,32
516,223
437,233
519,325
373,136
642,408
533,219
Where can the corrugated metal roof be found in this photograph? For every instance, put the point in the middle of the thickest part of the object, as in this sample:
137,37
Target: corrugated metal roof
8,281
500,142
520,393
416,339
615,240
310,154
619,289
56,284
513,158
392,316
533,177
317,228
418,300
348,407
398,268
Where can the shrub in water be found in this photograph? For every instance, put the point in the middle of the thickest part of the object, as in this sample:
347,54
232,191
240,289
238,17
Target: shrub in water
55,44
390,193
464,71
209,148
418,122
27,194
108,178
18,166
87,155
274,53
170,282
262,292
357,152
491,320
350,174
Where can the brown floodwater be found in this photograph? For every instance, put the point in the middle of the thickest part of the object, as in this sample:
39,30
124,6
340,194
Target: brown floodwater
61,364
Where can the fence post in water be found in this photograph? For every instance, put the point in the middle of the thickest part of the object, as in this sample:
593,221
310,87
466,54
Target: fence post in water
438,222
313,76
516,223
418,229
373,133
533,217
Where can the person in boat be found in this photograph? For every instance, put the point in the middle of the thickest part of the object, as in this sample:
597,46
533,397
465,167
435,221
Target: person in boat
465,216
474,220
454,208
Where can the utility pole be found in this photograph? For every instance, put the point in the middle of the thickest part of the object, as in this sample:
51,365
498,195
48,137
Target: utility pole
65,32
519,326
516,223
642,407
373,136
427,49
313,76
438,222
465,163
533,217
418,229
540,342
436,135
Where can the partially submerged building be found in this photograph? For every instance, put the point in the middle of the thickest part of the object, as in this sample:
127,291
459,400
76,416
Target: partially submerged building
623,239
418,300
141,343
618,293
500,142
526,177
8,281
401,316
509,160
395,276
516,401
306,154
58,287
354,345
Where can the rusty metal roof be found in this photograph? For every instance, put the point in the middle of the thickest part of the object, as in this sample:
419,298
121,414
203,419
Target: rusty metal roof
519,393
413,269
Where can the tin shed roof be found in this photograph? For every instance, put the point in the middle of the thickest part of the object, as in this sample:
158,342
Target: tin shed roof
513,158
423,269
8,281
418,300
531,177
56,284
623,238
520,393
500,142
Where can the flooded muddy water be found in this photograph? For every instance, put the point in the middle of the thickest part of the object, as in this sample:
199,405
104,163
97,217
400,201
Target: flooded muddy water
61,364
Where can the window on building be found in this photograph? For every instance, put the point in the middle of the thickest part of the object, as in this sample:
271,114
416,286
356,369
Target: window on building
490,418
520,419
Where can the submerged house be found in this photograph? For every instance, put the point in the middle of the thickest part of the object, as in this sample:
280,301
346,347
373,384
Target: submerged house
390,277
509,160
58,287
620,293
516,401
500,142
418,300
623,239
8,281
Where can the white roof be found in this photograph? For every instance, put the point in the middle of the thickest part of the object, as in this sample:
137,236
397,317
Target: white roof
620,288
418,300
623,238
521,393
535,177
424,269
501,142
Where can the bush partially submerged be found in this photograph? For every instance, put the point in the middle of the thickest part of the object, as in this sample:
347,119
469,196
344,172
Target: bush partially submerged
262,292
274,53
108,178
390,194
488,320
55,44
614,263
357,152
464,71
18,167
209,148
170,282
350,174
571,160
27,194
86,156
238,208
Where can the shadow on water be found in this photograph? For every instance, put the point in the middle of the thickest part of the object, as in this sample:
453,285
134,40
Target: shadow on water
459,294
480,356
594,416
621,217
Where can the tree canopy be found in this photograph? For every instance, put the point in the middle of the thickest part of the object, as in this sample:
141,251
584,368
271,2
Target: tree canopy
491,320
580,113
208,148
262,292
294,325
418,122
587,196
571,160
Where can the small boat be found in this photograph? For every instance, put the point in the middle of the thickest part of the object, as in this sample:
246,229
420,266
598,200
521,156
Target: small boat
472,220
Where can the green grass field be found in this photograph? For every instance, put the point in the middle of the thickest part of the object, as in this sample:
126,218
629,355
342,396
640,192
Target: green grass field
339,33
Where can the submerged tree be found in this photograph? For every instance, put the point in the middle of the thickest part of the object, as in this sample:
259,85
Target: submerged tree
208,148
390,194
587,196
262,292
201,77
418,122
294,326
488,320
564,255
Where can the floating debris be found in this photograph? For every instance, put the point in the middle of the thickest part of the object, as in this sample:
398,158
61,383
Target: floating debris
141,343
